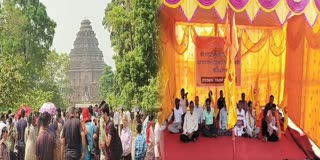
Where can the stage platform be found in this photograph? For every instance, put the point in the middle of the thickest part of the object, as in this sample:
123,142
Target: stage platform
223,148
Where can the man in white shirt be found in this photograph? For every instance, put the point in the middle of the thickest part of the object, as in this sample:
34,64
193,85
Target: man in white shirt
199,110
241,121
251,129
177,113
272,120
223,116
184,104
190,126
183,101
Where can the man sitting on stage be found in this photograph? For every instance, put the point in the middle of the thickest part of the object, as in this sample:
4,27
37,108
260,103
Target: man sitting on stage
243,102
183,101
251,129
199,110
264,126
240,128
176,114
190,125
273,130
220,103
223,121
223,116
209,128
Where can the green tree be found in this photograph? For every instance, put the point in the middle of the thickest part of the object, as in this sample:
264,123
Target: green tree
150,97
134,37
26,34
106,82
54,78
13,82
35,99
26,30
53,86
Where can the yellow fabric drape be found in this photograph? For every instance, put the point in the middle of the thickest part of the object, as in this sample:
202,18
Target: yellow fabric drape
252,7
231,50
258,63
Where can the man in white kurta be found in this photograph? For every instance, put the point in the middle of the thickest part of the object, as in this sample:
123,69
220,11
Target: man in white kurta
251,128
241,121
190,126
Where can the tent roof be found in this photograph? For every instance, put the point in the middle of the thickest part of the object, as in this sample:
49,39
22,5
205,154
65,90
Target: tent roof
268,13
210,16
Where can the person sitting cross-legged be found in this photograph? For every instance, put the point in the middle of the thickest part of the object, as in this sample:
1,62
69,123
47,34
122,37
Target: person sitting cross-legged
240,128
209,128
223,121
264,125
176,114
223,116
251,128
199,110
190,125
272,124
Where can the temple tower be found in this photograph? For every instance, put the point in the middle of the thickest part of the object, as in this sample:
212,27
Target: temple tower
86,66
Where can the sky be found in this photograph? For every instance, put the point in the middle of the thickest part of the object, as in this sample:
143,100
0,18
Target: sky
68,15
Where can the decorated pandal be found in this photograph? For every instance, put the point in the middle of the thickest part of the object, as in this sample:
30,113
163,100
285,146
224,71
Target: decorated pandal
279,54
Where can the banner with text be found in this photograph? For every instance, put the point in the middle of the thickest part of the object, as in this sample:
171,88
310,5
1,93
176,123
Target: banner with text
211,62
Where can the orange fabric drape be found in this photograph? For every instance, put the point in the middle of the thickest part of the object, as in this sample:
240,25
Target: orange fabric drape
302,82
169,47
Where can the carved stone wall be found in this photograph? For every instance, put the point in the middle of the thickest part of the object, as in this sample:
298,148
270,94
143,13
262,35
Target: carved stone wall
86,66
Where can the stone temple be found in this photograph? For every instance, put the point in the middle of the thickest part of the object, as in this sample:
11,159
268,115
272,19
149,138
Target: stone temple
86,66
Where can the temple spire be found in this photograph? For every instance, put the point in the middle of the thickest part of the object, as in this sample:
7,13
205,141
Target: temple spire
86,65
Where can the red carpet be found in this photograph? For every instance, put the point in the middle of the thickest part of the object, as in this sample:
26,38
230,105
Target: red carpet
221,148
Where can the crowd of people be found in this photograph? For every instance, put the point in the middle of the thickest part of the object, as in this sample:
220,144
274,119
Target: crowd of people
189,119
89,133
99,133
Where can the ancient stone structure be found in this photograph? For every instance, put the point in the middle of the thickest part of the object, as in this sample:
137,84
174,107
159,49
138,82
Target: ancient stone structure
86,66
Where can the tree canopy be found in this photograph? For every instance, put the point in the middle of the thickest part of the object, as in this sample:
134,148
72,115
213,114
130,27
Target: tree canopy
134,36
30,73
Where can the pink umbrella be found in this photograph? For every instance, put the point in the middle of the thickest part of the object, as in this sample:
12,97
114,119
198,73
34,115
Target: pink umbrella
27,109
48,107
